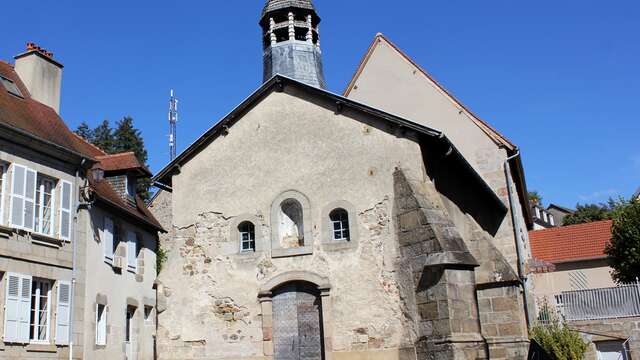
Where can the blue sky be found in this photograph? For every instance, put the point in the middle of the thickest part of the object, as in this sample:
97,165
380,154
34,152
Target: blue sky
561,79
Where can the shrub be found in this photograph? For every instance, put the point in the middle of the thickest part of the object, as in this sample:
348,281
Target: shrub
559,341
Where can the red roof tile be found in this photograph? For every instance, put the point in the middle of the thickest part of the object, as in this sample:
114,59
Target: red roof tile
122,161
36,118
571,243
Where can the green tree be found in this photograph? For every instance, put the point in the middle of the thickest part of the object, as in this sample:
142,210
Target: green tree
85,131
535,197
593,212
624,248
103,137
559,341
125,138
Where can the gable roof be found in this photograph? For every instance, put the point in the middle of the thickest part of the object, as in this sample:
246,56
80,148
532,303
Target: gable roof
36,120
484,126
278,83
571,243
561,208
30,118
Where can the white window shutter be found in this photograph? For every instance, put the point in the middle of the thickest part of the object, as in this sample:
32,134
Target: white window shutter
63,312
66,200
131,249
3,191
11,308
24,309
30,199
17,195
107,238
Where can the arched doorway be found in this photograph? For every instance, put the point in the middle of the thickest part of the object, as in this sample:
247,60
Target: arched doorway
297,322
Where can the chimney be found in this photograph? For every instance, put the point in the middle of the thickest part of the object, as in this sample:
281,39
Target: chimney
41,75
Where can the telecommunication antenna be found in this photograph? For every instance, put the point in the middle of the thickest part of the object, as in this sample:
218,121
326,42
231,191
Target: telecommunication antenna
173,119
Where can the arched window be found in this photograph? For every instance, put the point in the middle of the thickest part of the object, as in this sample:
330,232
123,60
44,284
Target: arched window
340,224
247,236
291,225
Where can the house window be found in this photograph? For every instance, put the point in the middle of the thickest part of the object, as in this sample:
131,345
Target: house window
133,248
340,224
109,236
11,87
40,310
45,205
611,350
537,213
3,182
552,221
131,186
128,328
23,193
101,324
291,227
247,236
546,218
66,200
148,311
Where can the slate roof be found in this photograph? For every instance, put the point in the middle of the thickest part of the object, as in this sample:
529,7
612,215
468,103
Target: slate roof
571,243
274,5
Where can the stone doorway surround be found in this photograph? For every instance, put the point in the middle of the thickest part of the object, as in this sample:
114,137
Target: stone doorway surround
265,296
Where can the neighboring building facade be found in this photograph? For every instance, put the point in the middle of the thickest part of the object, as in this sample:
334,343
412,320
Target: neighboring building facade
542,218
558,213
309,225
51,260
573,276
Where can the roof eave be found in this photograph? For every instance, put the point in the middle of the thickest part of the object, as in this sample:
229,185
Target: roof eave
125,213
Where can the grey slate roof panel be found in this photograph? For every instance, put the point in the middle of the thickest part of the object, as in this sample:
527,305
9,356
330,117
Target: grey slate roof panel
273,5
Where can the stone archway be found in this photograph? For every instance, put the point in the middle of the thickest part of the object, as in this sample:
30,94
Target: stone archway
296,314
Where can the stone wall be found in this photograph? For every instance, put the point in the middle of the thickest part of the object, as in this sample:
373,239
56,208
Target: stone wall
619,330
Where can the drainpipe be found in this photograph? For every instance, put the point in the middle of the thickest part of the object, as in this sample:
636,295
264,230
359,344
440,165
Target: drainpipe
519,245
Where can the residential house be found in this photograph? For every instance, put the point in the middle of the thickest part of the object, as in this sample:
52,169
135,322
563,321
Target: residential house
65,292
558,213
572,275
311,225
542,218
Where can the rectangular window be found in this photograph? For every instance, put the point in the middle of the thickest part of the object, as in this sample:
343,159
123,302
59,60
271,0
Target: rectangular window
108,239
552,220
40,310
611,350
3,183
132,247
128,329
45,205
101,325
23,195
66,201
11,87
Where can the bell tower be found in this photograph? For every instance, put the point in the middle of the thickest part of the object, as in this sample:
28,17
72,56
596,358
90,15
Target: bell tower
291,41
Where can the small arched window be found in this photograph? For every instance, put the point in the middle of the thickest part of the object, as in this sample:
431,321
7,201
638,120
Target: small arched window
340,224
247,236
291,225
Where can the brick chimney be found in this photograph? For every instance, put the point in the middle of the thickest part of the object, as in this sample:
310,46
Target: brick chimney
41,75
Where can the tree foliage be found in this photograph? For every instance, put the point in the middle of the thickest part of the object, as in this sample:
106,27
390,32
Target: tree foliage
624,248
558,340
535,197
124,138
593,212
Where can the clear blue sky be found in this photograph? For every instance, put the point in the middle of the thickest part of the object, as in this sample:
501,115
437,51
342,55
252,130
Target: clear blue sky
560,78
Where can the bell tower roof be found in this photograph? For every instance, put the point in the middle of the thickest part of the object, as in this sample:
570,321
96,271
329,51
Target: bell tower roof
272,6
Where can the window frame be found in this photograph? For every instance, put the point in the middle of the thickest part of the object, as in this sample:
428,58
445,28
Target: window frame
128,324
36,293
108,258
132,259
343,219
101,325
3,192
68,211
250,240
38,212
17,92
148,314
23,197
327,231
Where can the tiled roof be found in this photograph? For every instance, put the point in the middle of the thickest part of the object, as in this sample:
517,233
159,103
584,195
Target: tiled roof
42,122
36,118
122,161
571,243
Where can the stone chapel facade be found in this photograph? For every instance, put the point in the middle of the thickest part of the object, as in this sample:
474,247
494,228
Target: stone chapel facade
307,225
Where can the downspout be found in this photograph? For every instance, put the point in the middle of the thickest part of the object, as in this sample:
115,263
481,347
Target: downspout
523,279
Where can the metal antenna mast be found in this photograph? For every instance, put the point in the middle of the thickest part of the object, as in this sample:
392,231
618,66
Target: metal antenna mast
173,119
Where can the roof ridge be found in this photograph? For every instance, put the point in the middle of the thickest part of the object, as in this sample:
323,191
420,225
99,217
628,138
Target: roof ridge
380,36
117,154
88,142
569,227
